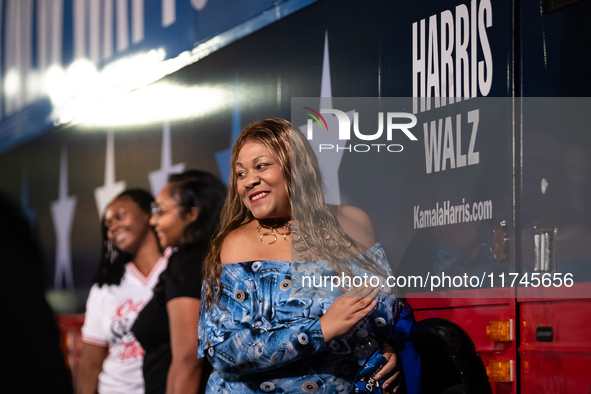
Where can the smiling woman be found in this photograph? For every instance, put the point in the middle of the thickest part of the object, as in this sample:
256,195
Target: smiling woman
111,360
256,335
260,182
167,219
125,224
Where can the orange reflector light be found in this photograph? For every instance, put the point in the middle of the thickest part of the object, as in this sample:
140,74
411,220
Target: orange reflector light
500,371
500,330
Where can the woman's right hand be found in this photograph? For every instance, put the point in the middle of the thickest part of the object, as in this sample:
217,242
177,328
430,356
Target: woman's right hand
347,310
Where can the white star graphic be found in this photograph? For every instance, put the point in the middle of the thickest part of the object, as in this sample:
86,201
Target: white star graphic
103,195
159,178
329,163
224,157
29,213
62,213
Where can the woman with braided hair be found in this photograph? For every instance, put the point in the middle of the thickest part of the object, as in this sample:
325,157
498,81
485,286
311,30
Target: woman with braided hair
131,262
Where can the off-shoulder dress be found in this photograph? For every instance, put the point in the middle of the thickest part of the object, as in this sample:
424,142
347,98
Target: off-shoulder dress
261,338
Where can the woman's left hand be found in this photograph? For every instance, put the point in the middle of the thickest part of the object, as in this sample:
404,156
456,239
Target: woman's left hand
390,371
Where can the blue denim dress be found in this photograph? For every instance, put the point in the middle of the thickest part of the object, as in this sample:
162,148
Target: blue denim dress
260,339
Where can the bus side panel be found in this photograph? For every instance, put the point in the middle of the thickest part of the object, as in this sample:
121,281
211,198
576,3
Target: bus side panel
474,320
423,184
560,365
556,190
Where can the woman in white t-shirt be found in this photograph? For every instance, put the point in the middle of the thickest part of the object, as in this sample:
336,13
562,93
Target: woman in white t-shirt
131,262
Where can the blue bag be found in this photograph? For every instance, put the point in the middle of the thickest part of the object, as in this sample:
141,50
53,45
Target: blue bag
407,354
364,381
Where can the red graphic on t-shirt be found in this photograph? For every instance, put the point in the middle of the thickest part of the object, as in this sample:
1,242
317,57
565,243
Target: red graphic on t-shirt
126,307
123,343
131,350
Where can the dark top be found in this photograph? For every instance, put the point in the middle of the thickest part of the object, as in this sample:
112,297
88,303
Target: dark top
31,360
181,279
